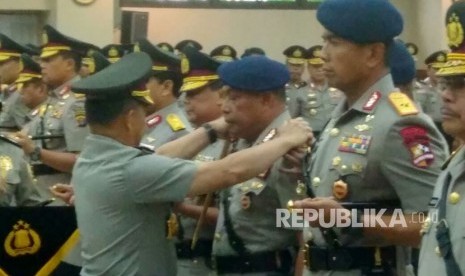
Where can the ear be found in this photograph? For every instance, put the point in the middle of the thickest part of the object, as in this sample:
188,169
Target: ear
377,52
128,119
167,87
69,63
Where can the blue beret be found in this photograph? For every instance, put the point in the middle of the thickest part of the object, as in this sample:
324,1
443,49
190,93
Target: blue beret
401,63
254,74
361,21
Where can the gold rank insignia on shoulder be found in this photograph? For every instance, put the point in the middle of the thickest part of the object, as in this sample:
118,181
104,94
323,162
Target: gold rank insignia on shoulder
22,240
175,122
402,104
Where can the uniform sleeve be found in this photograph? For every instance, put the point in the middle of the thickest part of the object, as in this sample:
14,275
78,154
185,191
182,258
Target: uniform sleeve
155,178
75,126
413,156
26,193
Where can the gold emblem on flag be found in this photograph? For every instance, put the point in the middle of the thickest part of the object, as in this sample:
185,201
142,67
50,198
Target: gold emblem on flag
22,240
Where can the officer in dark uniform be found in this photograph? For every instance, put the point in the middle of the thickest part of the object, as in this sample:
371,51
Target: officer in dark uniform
253,51
443,244
13,111
123,194
224,53
165,121
377,152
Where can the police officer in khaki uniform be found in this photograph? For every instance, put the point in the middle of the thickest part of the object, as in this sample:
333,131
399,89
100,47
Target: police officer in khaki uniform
317,100
443,243
201,86
295,61
247,241
124,194
17,187
63,120
13,112
166,121
377,151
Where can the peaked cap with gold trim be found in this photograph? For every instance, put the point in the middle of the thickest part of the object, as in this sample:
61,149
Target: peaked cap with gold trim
55,42
162,60
314,55
455,25
123,79
295,54
29,70
11,49
224,53
198,69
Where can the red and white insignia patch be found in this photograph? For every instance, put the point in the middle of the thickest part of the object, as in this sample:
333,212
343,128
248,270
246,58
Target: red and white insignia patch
371,103
153,121
417,142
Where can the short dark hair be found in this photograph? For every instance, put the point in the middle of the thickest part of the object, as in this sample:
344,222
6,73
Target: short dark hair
105,111
74,56
175,77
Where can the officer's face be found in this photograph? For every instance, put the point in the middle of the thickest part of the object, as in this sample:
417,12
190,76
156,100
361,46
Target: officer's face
243,111
9,71
431,72
346,63
56,70
203,105
316,72
453,111
33,93
296,71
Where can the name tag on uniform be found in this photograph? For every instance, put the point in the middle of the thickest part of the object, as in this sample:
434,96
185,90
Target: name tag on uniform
355,143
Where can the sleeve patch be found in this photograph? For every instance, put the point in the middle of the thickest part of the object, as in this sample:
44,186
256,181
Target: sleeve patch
417,142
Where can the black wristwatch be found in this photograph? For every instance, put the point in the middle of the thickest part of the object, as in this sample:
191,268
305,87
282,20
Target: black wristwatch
35,154
211,132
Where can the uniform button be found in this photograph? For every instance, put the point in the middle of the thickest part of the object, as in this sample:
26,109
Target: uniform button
316,181
312,103
308,235
334,132
313,111
337,161
437,251
217,236
344,167
454,198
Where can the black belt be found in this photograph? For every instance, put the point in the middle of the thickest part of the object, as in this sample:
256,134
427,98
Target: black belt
279,261
42,169
203,248
371,259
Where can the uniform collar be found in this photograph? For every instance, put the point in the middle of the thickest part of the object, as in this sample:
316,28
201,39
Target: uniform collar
370,99
64,89
276,123
172,108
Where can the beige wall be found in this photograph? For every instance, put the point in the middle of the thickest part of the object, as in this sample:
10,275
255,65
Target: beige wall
93,23
274,30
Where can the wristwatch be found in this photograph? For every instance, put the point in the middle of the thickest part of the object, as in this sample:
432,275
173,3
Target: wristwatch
35,154
211,132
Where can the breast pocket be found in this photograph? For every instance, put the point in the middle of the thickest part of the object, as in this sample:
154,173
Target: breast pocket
348,172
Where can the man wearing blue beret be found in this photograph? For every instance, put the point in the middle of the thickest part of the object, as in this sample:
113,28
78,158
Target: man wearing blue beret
402,68
378,158
247,240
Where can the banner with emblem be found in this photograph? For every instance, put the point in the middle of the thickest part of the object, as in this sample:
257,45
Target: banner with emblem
34,240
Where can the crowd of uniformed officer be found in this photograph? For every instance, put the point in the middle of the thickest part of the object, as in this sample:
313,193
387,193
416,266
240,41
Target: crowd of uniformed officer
82,123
